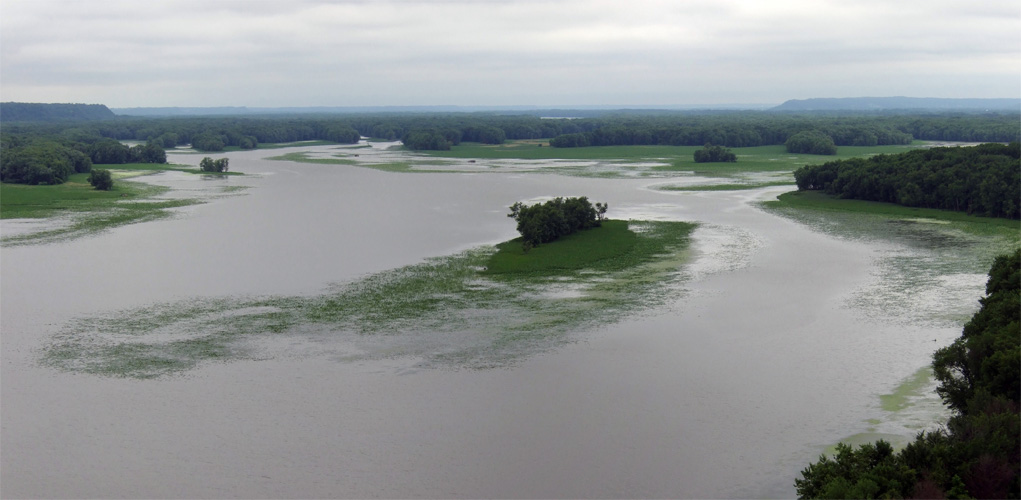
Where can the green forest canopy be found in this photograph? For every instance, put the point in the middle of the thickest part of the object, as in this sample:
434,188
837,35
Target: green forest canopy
100,139
980,180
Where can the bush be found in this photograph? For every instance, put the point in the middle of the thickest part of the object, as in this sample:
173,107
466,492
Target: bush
101,179
811,142
710,154
210,165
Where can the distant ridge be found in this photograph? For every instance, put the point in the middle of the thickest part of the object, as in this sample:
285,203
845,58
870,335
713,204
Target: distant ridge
587,110
899,103
41,112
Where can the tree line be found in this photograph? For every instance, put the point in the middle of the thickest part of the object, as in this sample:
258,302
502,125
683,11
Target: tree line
546,222
42,159
976,455
980,180
100,140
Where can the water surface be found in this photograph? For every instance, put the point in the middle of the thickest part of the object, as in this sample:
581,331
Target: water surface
766,353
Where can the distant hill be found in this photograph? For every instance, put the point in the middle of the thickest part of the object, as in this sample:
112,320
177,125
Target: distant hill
899,103
40,112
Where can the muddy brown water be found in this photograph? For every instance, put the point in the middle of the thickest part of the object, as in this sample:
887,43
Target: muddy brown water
728,391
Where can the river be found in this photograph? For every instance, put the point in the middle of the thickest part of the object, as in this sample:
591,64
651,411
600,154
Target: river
759,362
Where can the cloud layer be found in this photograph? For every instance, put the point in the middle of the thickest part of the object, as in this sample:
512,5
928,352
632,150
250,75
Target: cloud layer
549,52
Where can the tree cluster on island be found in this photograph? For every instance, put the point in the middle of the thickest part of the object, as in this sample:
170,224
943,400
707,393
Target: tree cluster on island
714,154
546,222
976,454
210,165
980,180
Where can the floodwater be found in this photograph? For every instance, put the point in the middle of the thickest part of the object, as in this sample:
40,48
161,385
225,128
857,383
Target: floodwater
769,353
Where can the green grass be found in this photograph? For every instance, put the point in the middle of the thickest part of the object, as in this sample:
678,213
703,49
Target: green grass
573,252
609,161
20,201
817,200
445,312
77,209
754,158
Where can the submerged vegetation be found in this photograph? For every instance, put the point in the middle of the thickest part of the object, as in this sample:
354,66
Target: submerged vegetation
464,310
977,454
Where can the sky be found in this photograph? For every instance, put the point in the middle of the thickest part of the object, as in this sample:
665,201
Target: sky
503,52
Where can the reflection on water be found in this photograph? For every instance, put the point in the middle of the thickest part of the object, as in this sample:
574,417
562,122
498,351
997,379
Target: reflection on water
778,343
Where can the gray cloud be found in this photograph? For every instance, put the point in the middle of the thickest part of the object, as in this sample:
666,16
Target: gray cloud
205,53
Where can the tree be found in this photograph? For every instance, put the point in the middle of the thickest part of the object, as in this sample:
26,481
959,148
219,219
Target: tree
210,165
546,222
710,153
811,142
101,179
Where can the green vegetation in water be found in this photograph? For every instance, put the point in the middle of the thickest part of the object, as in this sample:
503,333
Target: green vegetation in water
818,201
389,166
601,161
975,455
726,187
85,209
902,396
446,312
933,274
77,209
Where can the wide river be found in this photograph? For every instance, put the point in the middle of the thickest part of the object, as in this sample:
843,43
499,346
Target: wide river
769,353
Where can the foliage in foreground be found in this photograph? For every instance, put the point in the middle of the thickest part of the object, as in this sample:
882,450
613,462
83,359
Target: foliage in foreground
977,454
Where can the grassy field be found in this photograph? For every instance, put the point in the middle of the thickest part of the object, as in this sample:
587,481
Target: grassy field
761,158
83,210
575,251
817,200
20,201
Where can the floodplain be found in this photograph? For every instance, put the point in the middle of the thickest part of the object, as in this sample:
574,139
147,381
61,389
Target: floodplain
344,301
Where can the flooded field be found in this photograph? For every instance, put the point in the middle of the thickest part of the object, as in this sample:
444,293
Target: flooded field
323,332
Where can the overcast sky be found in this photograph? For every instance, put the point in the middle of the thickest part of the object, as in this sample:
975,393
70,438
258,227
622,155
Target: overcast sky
503,52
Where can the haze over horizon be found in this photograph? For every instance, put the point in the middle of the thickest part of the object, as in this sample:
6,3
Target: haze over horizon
193,53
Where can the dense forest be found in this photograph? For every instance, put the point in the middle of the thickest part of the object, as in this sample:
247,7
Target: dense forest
980,180
761,129
976,455
98,139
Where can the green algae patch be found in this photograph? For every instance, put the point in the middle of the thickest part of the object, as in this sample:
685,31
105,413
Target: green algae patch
901,397
443,312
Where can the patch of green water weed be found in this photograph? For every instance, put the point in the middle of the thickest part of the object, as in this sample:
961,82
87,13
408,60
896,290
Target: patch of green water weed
445,311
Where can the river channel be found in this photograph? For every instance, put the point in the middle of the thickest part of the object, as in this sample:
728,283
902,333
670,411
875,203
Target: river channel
771,349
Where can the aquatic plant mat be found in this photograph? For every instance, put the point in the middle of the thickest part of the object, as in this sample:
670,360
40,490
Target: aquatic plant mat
756,166
930,271
444,312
